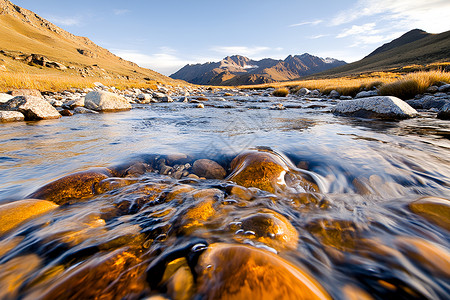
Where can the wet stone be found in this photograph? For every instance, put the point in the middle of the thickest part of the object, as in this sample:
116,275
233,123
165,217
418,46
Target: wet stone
270,228
74,186
434,209
227,271
14,213
209,169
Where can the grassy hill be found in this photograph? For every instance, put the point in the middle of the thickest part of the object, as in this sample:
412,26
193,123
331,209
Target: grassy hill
434,48
24,33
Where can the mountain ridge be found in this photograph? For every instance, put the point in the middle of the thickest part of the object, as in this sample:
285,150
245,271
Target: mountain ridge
241,70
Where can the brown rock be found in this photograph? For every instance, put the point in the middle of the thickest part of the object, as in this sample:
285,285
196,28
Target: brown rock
14,213
434,258
271,228
73,186
260,169
434,209
209,169
113,275
241,272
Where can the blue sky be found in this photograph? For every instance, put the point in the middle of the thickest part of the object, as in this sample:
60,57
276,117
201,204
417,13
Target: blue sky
166,35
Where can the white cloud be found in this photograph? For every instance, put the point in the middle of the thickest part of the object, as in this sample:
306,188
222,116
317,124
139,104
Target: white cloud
65,21
241,50
164,62
430,15
316,22
119,12
374,39
318,36
366,29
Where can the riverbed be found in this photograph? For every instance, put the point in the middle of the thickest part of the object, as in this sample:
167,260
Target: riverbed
356,232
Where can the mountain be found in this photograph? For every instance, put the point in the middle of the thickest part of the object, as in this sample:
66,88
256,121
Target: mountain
409,37
415,47
240,70
31,44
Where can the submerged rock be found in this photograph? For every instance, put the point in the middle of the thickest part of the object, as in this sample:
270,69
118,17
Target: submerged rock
209,169
33,108
382,107
105,101
14,213
11,116
435,210
260,169
270,228
227,271
73,186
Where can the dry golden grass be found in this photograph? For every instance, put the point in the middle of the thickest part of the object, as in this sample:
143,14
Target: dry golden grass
393,84
413,84
281,92
54,82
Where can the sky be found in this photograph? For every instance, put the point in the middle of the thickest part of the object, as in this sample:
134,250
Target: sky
166,35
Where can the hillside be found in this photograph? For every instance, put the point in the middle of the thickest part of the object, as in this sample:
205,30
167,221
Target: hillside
433,48
409,37
240,70
31,44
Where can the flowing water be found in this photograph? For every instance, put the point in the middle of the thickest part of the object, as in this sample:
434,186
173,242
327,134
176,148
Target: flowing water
358,230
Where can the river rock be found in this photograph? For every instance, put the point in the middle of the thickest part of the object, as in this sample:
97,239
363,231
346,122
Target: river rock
432,89
71,104
113,275
270,228
73,186
365,94
105,101
345,98
5,97
11,116
260,169
33,108
334,94
444,88
429,101
444,112
144,98
227,271
431,256
435,210
209,169
382,107
14,213
303,92
83,110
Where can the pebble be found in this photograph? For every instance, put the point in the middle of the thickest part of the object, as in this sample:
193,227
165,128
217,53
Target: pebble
209,169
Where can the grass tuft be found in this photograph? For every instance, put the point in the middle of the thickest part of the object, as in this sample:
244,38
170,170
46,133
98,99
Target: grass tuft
413,84
281,92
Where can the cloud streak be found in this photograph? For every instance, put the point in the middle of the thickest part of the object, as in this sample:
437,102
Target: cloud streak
367,29
316,22
430,15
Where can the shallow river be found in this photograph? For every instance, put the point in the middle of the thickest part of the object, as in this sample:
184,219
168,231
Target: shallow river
357,207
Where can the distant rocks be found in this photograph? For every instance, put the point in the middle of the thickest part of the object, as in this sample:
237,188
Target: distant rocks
365,94
380,107
33,108
106,101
